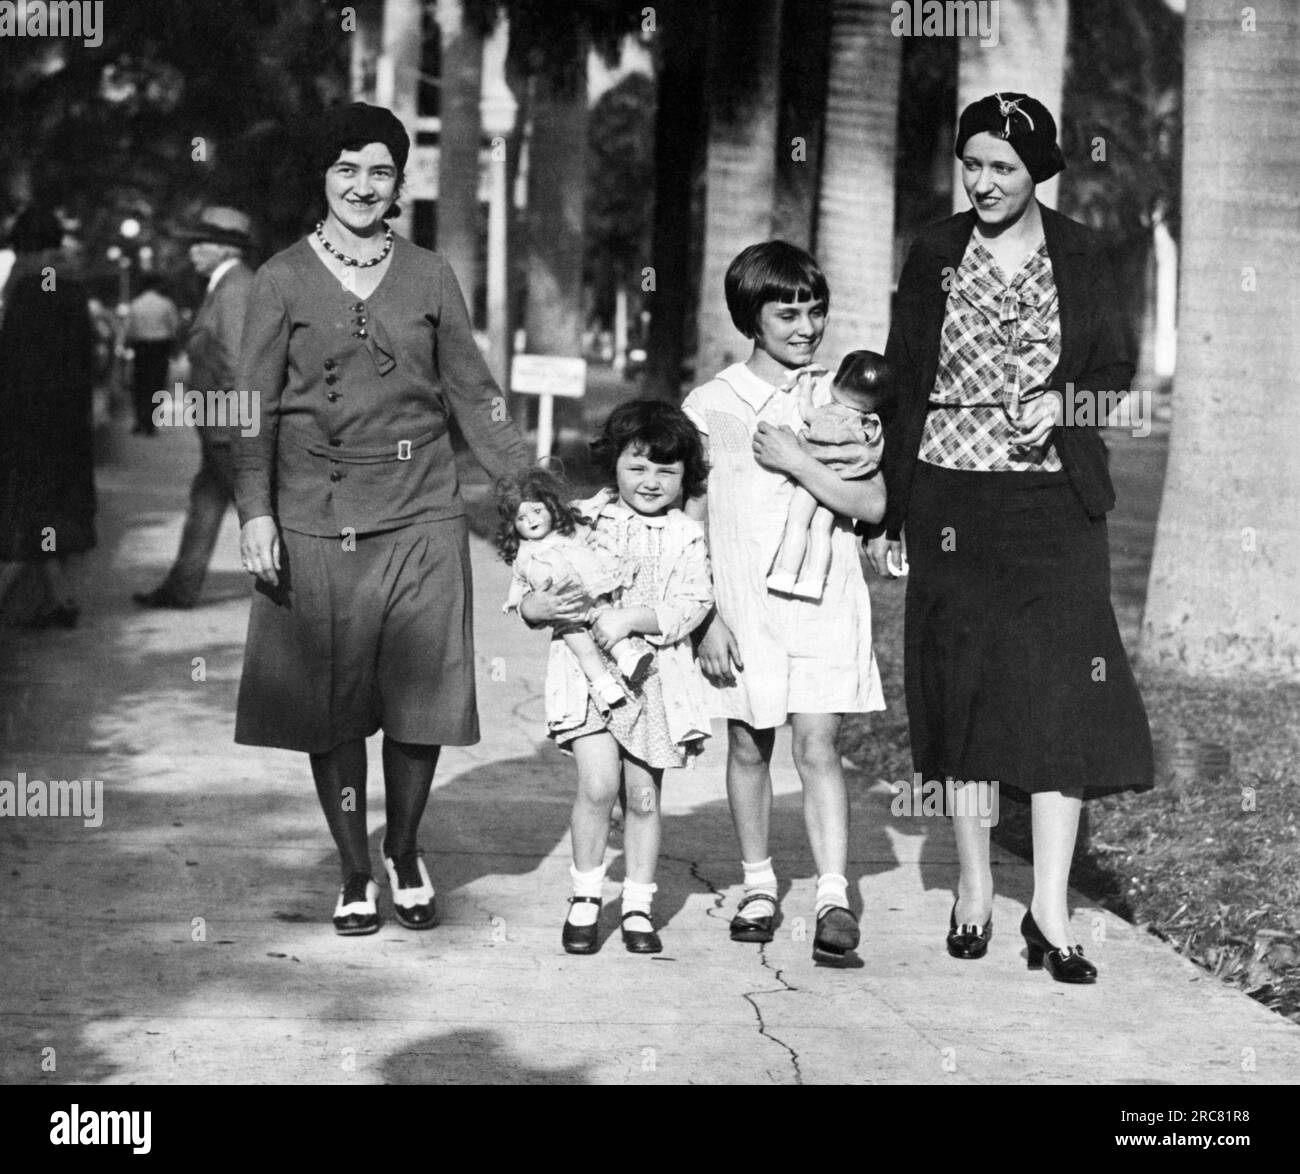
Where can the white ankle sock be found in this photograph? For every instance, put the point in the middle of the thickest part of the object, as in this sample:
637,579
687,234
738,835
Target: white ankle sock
637,898
832,889
760,881
586,884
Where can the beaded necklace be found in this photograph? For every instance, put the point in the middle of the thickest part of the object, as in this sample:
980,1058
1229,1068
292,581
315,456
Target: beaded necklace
333,252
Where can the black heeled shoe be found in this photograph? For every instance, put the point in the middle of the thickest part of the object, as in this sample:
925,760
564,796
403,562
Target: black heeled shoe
968,940
752,929
356,914
1065,964
837,935
582,939
638,941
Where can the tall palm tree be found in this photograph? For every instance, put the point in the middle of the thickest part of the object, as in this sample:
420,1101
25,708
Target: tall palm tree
855,225
1029,58
458,162
740,172
1223,593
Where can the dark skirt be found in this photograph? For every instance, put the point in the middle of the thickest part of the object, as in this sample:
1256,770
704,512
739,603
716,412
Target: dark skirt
1015,671
357,640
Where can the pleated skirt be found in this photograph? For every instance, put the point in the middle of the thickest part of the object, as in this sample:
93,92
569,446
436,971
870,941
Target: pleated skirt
357,640
1014,667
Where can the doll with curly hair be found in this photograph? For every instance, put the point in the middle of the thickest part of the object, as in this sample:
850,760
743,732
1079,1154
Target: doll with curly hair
546,543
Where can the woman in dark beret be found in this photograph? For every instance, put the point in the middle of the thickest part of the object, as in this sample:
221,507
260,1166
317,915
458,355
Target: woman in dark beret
358,345
1017,682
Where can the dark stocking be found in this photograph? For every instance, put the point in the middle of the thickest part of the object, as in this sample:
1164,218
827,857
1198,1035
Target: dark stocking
408,775
340,776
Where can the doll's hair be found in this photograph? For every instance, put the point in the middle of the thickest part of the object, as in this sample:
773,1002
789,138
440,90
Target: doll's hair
663,431
869,381
772,271
535,484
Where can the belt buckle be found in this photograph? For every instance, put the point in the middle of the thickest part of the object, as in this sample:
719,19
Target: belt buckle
403,450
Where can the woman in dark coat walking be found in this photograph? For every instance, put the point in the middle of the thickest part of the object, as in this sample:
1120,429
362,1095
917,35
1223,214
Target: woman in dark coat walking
359,348
47,475
1006,330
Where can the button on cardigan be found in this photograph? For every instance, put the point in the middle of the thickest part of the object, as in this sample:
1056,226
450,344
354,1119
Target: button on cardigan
353,419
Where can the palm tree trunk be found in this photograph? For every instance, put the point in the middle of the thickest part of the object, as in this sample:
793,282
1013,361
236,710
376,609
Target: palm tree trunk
680,132
458,165
1029,58
855,227
744,49
805,45
1223,593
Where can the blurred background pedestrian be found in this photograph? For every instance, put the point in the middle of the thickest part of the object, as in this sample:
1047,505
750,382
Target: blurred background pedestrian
47,484
151,326
218,241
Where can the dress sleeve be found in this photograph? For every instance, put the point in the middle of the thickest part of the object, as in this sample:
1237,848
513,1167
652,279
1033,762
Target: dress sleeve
475,398
694,410
263,365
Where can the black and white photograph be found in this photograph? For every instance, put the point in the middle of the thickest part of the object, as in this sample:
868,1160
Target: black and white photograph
713,542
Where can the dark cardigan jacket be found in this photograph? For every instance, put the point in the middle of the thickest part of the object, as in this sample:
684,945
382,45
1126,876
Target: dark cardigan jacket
356,396
1096,354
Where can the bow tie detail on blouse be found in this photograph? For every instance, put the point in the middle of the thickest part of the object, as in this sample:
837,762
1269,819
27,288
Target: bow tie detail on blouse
1022,311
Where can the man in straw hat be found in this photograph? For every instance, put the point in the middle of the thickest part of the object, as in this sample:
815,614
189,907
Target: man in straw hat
218,241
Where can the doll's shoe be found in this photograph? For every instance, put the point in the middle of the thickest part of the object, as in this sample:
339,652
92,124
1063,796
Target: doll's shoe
782,582
807,589
634,665
413,899
581,939
837,934
356,914
753,928
608,691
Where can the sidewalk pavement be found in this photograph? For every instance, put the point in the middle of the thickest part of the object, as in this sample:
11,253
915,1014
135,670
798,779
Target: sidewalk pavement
187,938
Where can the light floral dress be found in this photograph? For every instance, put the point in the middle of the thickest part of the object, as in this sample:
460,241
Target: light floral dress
800,656
664,720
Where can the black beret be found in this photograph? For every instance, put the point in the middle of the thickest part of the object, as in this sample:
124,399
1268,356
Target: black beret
1024,122
346,127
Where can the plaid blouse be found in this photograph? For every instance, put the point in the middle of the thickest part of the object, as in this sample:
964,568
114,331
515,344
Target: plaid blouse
999,344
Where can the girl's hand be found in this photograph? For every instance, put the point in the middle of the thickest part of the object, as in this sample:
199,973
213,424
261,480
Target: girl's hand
556,603
1037,419
718,652
778,449
259,548
609,626
887,556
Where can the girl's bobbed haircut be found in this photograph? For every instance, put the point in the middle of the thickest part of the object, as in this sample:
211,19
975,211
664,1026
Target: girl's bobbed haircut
535,484
773,271
868,376
663,431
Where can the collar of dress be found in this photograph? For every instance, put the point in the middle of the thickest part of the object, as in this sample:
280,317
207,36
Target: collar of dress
607,502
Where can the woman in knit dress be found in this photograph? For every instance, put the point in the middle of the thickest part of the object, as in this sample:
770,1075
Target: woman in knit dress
358,348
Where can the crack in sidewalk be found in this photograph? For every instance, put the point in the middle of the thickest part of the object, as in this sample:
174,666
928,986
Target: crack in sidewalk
719,899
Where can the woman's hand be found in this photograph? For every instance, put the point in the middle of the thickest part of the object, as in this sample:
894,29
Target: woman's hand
610,625
779,449
1037,419
718,652
887,556
556,603
259,548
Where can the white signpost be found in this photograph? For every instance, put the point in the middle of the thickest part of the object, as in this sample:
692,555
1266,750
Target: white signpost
548,376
